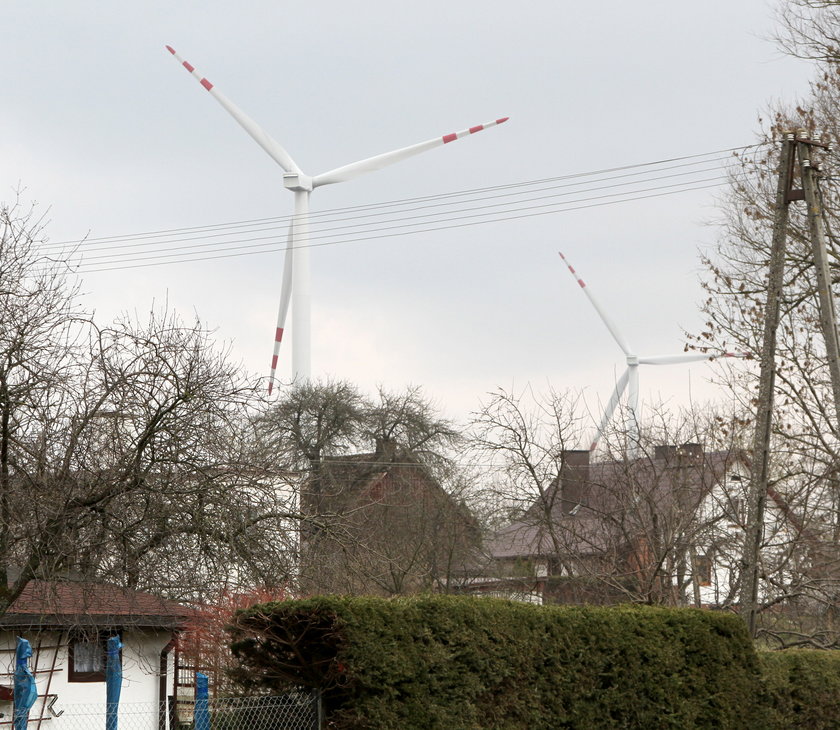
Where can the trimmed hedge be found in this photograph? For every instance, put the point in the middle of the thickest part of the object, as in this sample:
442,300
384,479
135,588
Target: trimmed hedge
803,688
465,662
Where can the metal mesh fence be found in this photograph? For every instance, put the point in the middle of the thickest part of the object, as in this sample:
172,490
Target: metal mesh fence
291,711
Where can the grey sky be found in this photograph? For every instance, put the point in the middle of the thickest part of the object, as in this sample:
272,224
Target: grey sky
99,123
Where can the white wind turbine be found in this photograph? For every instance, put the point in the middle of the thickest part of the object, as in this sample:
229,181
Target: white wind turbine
296,275
630,378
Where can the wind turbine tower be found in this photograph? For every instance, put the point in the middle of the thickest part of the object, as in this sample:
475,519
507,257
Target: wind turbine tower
296,273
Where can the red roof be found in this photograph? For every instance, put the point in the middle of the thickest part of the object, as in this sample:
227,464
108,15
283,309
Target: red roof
54,603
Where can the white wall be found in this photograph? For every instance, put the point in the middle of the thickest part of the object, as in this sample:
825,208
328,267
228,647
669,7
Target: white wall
141,678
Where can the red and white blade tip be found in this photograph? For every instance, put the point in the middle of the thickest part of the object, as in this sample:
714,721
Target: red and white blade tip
472,130
572,269
187,65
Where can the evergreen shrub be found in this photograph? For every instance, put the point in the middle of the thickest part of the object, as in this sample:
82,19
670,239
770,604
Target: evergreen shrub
803,688
468,662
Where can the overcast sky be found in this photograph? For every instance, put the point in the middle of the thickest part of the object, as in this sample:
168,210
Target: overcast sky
102,127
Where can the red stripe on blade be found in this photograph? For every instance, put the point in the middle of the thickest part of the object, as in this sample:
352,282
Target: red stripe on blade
473,130
171,50
502,120
206,84
273,363
449,138
270,386
278,335
189,66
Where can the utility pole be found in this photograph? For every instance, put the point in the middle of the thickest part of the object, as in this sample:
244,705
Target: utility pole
793,146
809,171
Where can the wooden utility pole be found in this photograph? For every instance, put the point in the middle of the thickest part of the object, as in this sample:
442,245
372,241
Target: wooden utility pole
793,146
809,171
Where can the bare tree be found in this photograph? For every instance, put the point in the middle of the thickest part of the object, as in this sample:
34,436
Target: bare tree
611,528
124,450
375,486
801,583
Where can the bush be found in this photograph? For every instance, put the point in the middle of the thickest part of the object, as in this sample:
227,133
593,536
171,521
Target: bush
803,688
464,662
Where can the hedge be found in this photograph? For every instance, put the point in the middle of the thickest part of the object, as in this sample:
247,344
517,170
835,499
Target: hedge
465,662
803,688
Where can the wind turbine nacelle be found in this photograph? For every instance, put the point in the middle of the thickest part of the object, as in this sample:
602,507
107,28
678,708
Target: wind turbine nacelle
297,181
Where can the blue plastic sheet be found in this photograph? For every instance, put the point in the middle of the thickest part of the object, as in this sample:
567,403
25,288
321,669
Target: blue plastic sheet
202,696
25,690
113,683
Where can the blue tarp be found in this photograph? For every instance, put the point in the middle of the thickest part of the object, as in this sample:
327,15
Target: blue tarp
25,690
113,683
202,694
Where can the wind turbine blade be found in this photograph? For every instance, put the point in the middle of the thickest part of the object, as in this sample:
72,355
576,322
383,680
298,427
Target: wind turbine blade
371,164
686,357
612,404
622,343
285,297
261,137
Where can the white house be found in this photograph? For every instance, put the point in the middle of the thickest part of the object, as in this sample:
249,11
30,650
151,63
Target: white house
67,625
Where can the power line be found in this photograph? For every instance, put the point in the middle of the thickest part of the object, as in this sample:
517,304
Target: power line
429,215
407,201
399,215
280,246
402,222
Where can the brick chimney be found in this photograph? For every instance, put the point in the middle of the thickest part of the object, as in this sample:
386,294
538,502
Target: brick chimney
574,477
678,455
386,449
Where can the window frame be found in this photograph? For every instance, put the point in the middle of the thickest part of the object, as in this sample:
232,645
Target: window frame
704,569
102,637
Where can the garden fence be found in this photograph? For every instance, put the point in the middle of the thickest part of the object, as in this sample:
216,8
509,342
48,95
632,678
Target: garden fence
291,711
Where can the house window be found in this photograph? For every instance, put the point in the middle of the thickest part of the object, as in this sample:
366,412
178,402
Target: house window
703,569
734,510
86,657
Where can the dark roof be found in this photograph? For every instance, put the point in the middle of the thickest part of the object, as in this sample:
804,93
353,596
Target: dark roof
581,510
65,603
390,474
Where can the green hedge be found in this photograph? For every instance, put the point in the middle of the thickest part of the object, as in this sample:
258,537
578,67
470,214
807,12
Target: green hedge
803,688
462,662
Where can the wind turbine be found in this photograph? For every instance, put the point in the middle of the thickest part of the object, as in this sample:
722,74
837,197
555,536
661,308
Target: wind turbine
296,274
630,378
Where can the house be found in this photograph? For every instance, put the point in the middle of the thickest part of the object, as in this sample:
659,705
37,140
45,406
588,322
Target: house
67,624
382,523
667,527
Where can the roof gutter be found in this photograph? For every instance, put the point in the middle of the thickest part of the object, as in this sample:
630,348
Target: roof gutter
162,700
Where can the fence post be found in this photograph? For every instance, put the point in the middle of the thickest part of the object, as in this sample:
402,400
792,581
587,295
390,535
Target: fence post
201,714
25,692
113,683
319,709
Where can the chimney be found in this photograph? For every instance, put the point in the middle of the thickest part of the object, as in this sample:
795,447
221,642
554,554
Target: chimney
678,455
386,448
574,477
665,452
691,450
